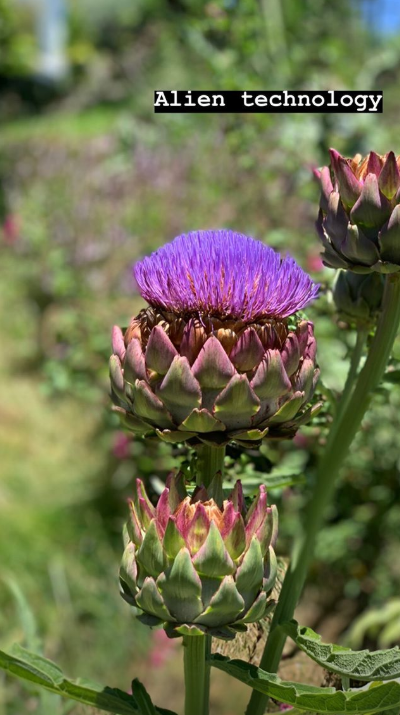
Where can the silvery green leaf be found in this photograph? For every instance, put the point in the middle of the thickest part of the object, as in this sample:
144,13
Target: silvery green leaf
373,698
359,665
36,669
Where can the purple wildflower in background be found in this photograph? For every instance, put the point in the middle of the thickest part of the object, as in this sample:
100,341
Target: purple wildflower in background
223,273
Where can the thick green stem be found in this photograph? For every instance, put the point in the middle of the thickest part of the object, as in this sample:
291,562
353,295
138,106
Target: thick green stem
356,356
210,460
207,677
340,438
195,674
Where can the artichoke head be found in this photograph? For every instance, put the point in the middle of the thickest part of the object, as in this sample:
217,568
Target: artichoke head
212,380
196,567
359,218
358,297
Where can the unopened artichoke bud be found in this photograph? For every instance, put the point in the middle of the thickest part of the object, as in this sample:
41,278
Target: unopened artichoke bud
358,298
196,567
359,218
214,358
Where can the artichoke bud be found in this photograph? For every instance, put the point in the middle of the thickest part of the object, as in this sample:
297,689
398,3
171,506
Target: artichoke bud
196,567
213,359
358,297
359,218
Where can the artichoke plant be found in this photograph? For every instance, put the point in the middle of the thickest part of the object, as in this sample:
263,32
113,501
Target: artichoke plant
359,218
196,567
358,297
216,356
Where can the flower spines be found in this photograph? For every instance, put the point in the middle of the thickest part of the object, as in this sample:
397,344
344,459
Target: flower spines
359,220
196,567
223,274
236,381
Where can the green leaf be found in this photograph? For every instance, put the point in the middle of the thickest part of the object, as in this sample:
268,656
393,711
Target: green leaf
390,634
39,670
392,376
374,621
142,698
359,665
374,698
278,481
25,614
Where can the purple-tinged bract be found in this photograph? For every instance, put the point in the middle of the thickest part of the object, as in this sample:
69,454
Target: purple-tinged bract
226,274
197,566
358,297
359,217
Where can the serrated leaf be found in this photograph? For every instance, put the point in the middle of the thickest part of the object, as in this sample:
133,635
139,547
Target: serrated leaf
36,669
359,665
142,698
373,698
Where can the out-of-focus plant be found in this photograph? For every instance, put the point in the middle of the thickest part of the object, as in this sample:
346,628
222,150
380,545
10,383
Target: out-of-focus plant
381,624
16,46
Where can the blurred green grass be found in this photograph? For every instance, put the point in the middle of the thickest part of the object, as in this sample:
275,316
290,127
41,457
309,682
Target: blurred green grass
69,126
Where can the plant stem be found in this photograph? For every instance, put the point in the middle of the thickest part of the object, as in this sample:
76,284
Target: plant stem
210,461
195,674
340,438
207,676
345,682
356,356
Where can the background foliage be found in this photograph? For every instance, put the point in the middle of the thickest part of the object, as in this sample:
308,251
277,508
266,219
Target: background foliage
90,180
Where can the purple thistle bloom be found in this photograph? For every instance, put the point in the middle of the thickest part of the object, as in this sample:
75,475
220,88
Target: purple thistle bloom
223,273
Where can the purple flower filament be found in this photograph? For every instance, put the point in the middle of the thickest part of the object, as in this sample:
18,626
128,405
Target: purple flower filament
225,274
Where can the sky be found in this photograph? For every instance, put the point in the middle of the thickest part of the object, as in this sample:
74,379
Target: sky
383,15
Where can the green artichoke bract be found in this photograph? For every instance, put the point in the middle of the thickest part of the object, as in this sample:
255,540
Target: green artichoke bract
359,219
358,298
196,567
217,357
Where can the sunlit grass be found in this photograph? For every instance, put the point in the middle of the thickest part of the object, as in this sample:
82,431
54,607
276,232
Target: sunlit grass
68,125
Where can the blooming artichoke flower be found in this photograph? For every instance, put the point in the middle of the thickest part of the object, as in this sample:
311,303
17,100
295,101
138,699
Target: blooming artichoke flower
358,298
359,218
196,567
214,357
